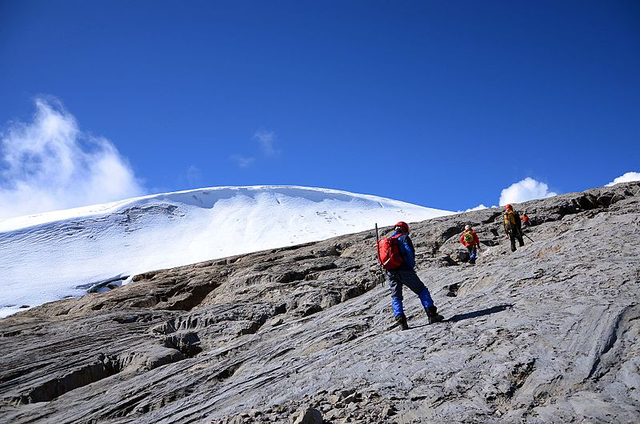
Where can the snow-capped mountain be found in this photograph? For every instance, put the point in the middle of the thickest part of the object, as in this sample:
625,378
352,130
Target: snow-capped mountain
49,256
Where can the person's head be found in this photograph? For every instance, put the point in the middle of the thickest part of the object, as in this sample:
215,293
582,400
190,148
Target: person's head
508,208
467,227
402,227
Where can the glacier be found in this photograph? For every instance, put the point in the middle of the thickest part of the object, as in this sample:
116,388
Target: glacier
50,256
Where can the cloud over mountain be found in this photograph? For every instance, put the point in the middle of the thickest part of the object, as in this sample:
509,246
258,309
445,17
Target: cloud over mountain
627,177
49,164
527,189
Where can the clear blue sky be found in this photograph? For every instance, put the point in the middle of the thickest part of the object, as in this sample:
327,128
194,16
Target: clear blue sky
438,103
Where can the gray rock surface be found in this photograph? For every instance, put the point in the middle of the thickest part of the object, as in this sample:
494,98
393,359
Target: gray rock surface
549,333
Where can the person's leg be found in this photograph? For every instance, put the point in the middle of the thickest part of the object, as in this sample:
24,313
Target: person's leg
520,240
473,254
512,237
395,284
411,280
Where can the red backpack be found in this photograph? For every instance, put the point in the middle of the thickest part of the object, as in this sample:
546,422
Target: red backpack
389,252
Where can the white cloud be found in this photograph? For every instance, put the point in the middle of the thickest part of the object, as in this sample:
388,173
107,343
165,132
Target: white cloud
629,176
266,139
267,142
243,161
527,189
194,175
49,164
477,208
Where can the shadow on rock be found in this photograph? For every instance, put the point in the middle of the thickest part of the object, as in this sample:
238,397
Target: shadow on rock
483,312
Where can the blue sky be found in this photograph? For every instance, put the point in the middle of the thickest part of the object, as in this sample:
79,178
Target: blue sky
442,104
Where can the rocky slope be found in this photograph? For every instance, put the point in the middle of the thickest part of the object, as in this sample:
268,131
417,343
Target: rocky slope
550,333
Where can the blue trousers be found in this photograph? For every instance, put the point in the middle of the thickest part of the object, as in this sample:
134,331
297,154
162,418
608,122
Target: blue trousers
399,278
473,253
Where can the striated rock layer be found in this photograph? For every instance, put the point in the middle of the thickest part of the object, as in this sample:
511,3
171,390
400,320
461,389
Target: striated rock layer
550,333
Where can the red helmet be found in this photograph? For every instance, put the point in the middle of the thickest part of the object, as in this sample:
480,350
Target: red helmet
403,226
508,208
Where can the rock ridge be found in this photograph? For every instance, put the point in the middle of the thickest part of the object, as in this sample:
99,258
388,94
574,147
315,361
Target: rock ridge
548,333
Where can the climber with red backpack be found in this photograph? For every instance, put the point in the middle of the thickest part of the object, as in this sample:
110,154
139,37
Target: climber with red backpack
512,226
396,254
470,240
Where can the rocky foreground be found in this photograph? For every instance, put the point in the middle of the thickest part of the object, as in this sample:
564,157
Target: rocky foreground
550,333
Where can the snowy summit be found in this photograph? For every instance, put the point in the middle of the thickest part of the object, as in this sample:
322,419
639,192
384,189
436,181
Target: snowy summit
58,254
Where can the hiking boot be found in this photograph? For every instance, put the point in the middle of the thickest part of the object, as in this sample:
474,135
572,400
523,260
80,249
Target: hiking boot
436,318
432,314
402,320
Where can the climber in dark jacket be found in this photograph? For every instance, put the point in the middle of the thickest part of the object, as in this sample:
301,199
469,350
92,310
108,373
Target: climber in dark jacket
513,226
404,275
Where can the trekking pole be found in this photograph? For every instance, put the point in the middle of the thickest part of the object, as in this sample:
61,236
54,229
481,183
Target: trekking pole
378,251
377,242
527,236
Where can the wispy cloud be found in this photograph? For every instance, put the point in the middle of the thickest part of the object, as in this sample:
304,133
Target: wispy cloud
629,176
192,176
49,164
243,161
527,189
267,142
477,208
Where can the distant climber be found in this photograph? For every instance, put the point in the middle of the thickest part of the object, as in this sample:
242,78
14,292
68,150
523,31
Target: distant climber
404,275
526,221
513,226
470,240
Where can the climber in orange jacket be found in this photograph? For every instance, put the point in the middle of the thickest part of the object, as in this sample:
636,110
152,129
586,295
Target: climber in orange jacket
470,240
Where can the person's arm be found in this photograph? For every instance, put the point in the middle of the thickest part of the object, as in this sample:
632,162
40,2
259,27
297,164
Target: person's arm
407,251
